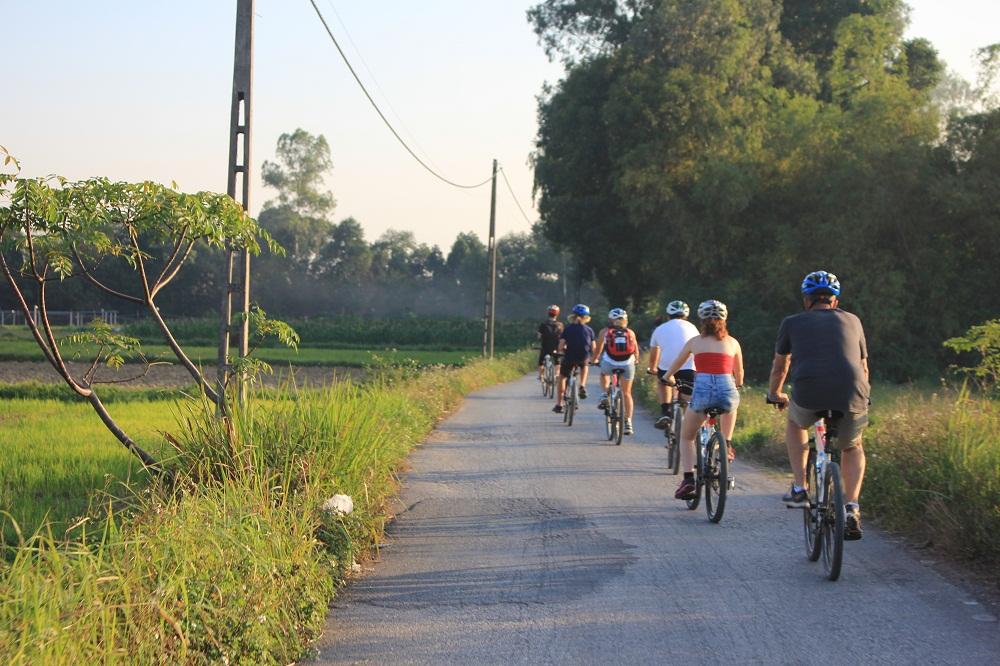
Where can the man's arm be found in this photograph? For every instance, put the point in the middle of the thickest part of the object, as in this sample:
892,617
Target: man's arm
654,359
779,372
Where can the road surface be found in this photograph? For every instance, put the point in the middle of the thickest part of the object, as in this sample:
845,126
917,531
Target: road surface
523,541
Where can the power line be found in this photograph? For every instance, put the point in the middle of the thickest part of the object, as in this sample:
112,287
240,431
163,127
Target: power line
514,196
399,119
382,115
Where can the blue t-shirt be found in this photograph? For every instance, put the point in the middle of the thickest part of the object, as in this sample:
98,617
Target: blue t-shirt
579,340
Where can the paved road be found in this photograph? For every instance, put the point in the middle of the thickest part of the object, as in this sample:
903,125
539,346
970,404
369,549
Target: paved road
527,542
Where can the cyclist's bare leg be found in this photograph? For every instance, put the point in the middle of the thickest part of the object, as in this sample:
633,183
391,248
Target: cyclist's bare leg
562,389
541,370
689,430
605,383
728,425
852,464
627,395
584,371
797,441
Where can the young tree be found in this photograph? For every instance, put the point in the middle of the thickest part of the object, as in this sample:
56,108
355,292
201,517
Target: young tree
62,229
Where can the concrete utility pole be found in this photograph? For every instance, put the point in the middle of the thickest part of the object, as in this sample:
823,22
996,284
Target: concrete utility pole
238,267
489,316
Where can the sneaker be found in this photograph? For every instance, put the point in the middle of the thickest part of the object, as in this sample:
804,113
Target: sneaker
557,409
686,490
796,498
603,404
852,529
583,393
663,423
628,427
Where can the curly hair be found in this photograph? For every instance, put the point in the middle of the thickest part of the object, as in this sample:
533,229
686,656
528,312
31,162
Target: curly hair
714,327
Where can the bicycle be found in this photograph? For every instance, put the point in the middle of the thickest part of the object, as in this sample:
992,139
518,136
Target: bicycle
614,408
549,376
711,470
673,434
824,518
570,398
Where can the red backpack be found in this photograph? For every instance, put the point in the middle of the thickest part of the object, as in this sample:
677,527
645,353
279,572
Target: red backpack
620,344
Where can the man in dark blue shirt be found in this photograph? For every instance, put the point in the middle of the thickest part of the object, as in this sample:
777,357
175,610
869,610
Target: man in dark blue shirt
577,346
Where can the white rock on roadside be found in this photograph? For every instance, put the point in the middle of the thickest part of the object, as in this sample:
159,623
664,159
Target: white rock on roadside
339,505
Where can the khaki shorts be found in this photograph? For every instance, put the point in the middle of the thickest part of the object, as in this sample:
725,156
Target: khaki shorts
849,427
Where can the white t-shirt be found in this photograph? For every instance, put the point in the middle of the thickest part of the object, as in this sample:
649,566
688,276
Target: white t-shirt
670,337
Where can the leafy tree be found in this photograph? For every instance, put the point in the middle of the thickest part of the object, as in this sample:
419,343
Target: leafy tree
303,162
63,229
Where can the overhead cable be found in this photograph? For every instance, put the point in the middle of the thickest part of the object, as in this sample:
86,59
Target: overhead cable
514,196
382,115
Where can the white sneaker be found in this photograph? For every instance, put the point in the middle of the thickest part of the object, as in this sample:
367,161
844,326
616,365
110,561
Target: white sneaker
628,426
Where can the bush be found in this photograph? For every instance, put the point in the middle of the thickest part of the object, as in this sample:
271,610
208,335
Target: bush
983,340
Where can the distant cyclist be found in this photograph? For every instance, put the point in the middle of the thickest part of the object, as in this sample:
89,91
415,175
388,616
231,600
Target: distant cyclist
617,347
828,355
576,344
548,335
718,364
667,341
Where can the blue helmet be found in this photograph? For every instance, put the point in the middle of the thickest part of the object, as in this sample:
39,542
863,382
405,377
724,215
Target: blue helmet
581,310
821,282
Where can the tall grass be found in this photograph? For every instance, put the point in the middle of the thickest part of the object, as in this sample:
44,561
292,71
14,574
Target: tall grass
235,561
933,463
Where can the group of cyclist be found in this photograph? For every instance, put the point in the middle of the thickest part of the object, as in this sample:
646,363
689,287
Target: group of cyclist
822,347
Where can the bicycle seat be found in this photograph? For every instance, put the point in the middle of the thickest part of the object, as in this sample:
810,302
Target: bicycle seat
618,371
832,414
713,412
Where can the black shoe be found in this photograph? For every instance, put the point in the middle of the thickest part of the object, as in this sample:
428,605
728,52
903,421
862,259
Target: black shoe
603,404
583,393
687,490
557,409
663,423
852,530
796,498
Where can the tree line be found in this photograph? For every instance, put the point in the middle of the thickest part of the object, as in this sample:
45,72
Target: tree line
724,148
328,267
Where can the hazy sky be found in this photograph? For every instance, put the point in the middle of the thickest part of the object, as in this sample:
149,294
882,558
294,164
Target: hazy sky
140,90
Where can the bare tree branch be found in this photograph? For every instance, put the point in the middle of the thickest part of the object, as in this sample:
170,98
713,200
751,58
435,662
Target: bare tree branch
100,285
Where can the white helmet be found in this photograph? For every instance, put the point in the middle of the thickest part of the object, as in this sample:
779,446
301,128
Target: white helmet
617,313
713,310
678,308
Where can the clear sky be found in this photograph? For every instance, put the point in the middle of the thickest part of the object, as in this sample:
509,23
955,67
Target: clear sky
140,90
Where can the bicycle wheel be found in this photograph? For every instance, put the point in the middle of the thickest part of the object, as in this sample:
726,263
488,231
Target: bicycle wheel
571,405
716,477
567,399
619,414
699,480
834,518
810,513
609,421
674,441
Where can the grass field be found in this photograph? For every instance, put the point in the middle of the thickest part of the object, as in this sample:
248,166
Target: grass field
19,349
54,454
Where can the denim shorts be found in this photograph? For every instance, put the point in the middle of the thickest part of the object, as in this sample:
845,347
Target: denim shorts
714,391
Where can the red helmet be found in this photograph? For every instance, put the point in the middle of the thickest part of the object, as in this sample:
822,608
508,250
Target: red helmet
553,310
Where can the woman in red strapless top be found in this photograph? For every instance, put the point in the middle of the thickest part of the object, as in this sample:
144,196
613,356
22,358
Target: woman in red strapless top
718,364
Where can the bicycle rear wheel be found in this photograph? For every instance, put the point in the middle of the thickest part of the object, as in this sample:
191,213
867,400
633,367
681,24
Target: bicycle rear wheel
834,518
716,477
699,480
571,406
811,513
674,441
618,409
609,423
567,397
